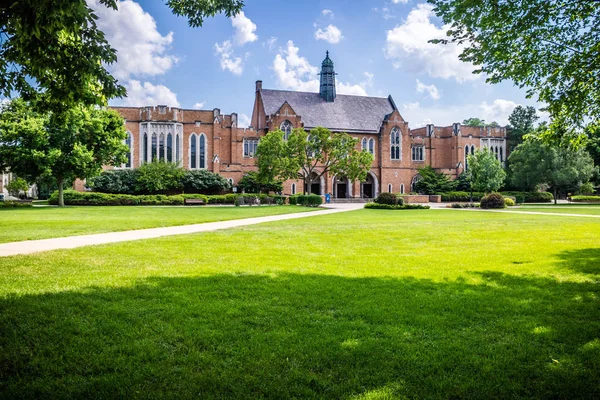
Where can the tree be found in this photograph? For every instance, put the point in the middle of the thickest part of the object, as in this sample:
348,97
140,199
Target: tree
473,122
535,163
485,171
549,47
522,122
54,47
310,155
431,182
205,182
251,184
159,177
75,143
16,186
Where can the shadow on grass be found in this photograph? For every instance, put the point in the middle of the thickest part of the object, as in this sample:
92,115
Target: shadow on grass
307,336
584,260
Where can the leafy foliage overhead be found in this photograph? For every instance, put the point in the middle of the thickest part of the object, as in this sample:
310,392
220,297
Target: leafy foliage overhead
550,47
55,47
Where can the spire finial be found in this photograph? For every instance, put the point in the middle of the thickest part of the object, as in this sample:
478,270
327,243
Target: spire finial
327,53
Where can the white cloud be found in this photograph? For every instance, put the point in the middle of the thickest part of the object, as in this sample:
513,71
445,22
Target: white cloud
139,94
270,43
244,29
408,42
229,62
243,121
385,13
400,1
368,79
331,34
417,116
141,49
431,90
199,105
328,13
296,73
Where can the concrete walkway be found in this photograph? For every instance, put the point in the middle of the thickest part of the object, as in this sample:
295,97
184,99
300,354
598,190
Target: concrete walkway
71,242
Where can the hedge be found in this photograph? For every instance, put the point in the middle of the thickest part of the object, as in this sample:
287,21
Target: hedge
74,198
15,204
586,199
376,206
308,200
520,197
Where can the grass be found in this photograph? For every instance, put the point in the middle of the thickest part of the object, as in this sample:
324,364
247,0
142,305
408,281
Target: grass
367,305
587,209
50,222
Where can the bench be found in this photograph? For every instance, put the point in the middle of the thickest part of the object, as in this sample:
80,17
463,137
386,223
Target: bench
193,202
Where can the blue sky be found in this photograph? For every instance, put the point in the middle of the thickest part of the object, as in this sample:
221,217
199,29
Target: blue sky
378,47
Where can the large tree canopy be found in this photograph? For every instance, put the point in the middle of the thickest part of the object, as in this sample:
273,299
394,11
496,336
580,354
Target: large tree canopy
550,47
71,144
522,122
310,155
55,47
485,171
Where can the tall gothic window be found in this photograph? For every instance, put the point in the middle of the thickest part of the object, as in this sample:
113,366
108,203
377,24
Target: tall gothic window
129,153
177,150
193,151
372,146
418,153
396,144
145,147
161,147
364,144
154,146
202,158
170,147
250,146
286,127
467,157
501,155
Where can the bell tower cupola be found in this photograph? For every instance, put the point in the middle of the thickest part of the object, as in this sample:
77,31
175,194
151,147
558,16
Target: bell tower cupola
327,80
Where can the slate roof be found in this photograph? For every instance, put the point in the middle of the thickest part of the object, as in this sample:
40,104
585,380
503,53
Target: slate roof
347,113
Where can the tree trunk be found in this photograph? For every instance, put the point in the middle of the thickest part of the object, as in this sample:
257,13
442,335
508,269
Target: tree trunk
61,194
307,184
555,196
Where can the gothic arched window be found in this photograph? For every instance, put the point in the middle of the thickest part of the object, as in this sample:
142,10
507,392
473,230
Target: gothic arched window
202,155
395,144
193,151
364,144
286,127
129,143
372,146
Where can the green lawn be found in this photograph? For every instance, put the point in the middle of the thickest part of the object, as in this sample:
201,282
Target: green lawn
19,224
587,209
371,304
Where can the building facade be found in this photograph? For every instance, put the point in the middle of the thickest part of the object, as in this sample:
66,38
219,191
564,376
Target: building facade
207,139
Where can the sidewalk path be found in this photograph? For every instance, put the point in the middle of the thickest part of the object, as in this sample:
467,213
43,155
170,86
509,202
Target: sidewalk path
71,242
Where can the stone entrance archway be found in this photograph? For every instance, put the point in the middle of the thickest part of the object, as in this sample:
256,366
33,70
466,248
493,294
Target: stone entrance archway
342,187
317,185
369,188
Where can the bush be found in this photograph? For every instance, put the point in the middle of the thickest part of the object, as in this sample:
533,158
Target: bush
159,177
249,183
492,200
308,200
196,197
389,198
586,199
120,181
586,189
222,199
74,198
205,182
460,196
15,204
508,202
464,205
531,197
432,182
16,186
378,206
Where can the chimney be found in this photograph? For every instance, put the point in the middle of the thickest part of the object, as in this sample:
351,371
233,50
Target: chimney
258,85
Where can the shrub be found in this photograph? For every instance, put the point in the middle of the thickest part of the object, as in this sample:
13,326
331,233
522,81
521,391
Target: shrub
432,182
464,205
159,177
222,199
530,197
249,183
586,199
16,186
15,204
308,200
205,182
74,198
378,206
387,198
120,181
586,189
492,200
460,196
508,202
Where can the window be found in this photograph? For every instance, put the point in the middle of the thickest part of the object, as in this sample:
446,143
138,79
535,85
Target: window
177,150
286,127
145,147
395,144
372,146
202,158
161,147
128,142
250,146
418,153
364,144
390,188
501,155
402,188
293,188
473,149
466,157
154,146
193,151
170,147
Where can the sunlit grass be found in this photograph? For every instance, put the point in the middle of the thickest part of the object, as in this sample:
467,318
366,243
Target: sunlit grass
366,304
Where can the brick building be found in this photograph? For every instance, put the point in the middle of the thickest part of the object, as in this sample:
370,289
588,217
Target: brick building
201,139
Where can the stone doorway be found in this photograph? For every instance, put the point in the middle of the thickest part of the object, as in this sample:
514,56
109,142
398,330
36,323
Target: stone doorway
341,188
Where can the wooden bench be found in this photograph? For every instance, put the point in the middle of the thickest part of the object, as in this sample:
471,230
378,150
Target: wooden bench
193,202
